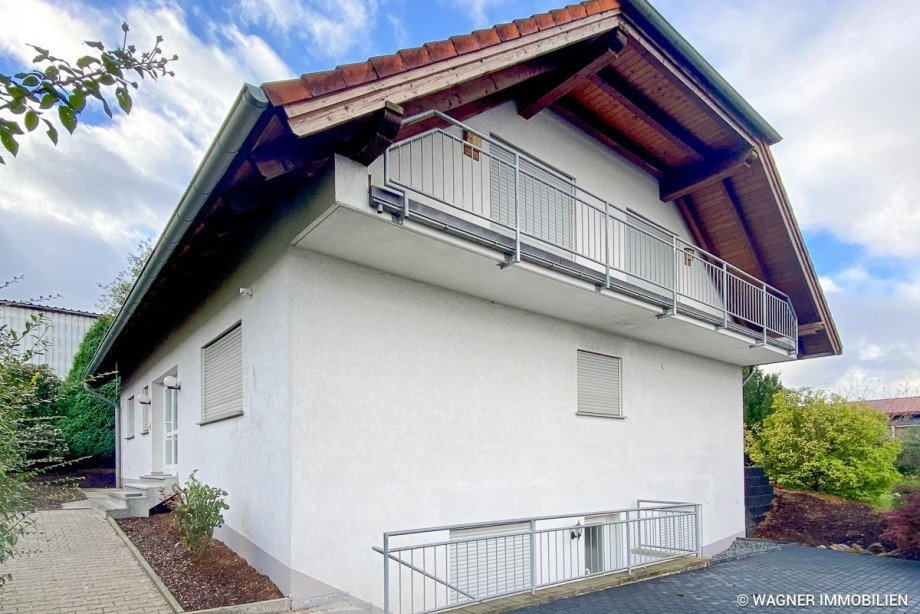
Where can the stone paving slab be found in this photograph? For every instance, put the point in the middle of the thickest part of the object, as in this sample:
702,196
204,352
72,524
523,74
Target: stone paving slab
795,570
77,563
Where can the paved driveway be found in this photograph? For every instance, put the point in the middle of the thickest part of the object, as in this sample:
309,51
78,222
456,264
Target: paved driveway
77,563
794,570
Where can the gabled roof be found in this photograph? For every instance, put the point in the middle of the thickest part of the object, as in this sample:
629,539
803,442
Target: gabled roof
902,407
614,68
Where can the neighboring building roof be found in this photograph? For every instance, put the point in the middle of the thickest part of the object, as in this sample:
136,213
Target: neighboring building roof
48,308
904,406
614,68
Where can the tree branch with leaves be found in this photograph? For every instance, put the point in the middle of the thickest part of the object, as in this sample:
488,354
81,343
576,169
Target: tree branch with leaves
56,88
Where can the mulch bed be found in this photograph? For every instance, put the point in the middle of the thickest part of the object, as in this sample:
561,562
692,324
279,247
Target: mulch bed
220,578
816,519
53,489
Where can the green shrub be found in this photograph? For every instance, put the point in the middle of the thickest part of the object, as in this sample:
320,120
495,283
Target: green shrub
89,422
816,441
908,461
904,527
759,390
197,511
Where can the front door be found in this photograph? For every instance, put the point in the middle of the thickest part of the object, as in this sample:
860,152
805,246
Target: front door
170,428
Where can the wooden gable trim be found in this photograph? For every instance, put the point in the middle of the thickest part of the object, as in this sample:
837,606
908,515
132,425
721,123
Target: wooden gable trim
318,114
572,76
801,252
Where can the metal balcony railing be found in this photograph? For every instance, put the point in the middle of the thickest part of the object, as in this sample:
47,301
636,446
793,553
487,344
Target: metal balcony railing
542,215
435,568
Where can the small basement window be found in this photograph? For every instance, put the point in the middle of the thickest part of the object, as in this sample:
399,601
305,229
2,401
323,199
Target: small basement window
600,385
222,376
129,418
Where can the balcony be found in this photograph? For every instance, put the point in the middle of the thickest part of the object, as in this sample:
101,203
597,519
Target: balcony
461,181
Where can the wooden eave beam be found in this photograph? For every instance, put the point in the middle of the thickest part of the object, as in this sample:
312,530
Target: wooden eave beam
811,328
643,107
704,174
610,136
377,133
574,74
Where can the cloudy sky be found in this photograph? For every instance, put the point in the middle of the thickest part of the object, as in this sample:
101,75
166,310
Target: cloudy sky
839,80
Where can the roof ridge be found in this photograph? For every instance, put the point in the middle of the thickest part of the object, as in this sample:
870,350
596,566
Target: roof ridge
321,83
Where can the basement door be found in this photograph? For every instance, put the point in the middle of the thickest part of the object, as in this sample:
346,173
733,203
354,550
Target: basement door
170,429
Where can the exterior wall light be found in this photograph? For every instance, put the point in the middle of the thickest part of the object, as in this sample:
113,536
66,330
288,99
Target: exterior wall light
143,398
171,382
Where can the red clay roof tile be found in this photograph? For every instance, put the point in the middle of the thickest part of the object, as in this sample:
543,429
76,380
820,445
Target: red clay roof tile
507,31
415,57
312,85
440,50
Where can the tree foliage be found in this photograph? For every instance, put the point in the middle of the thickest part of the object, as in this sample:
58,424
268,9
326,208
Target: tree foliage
58,89
89,421
818,441
116,291
759,390
908,461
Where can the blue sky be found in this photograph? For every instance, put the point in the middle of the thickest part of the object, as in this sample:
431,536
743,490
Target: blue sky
837,79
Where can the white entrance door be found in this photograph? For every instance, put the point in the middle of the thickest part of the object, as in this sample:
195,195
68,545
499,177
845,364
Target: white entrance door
170,428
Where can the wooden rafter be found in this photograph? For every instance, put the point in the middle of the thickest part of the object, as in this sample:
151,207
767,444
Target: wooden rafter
706,173
702,238
745,233
610,136
575,73
649,112
377,133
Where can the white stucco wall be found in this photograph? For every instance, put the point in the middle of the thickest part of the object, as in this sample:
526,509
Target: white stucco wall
416,406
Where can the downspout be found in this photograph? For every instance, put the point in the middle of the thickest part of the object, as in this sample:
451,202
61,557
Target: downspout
116,407
246,111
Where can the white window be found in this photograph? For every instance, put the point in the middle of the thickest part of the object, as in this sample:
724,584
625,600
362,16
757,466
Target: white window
129,418
599,385
145,412
490,561
222,376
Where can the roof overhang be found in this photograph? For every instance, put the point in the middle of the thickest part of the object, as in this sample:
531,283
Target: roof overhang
617,70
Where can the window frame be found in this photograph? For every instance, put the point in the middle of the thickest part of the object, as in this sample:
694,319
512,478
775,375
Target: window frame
621,415
204,420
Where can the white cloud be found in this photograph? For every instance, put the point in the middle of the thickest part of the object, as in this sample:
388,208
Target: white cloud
476,10
332,28
119,180
841,83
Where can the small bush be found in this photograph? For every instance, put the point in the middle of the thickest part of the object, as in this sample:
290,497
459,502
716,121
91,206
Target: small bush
816,441
904,527
908,461
197,511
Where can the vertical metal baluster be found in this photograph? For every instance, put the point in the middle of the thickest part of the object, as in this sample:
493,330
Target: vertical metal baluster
724,295
386,574
764,312
517,207
533,552
607,223
628,543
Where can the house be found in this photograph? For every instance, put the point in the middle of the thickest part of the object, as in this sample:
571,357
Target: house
903,413
62,332
510,275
